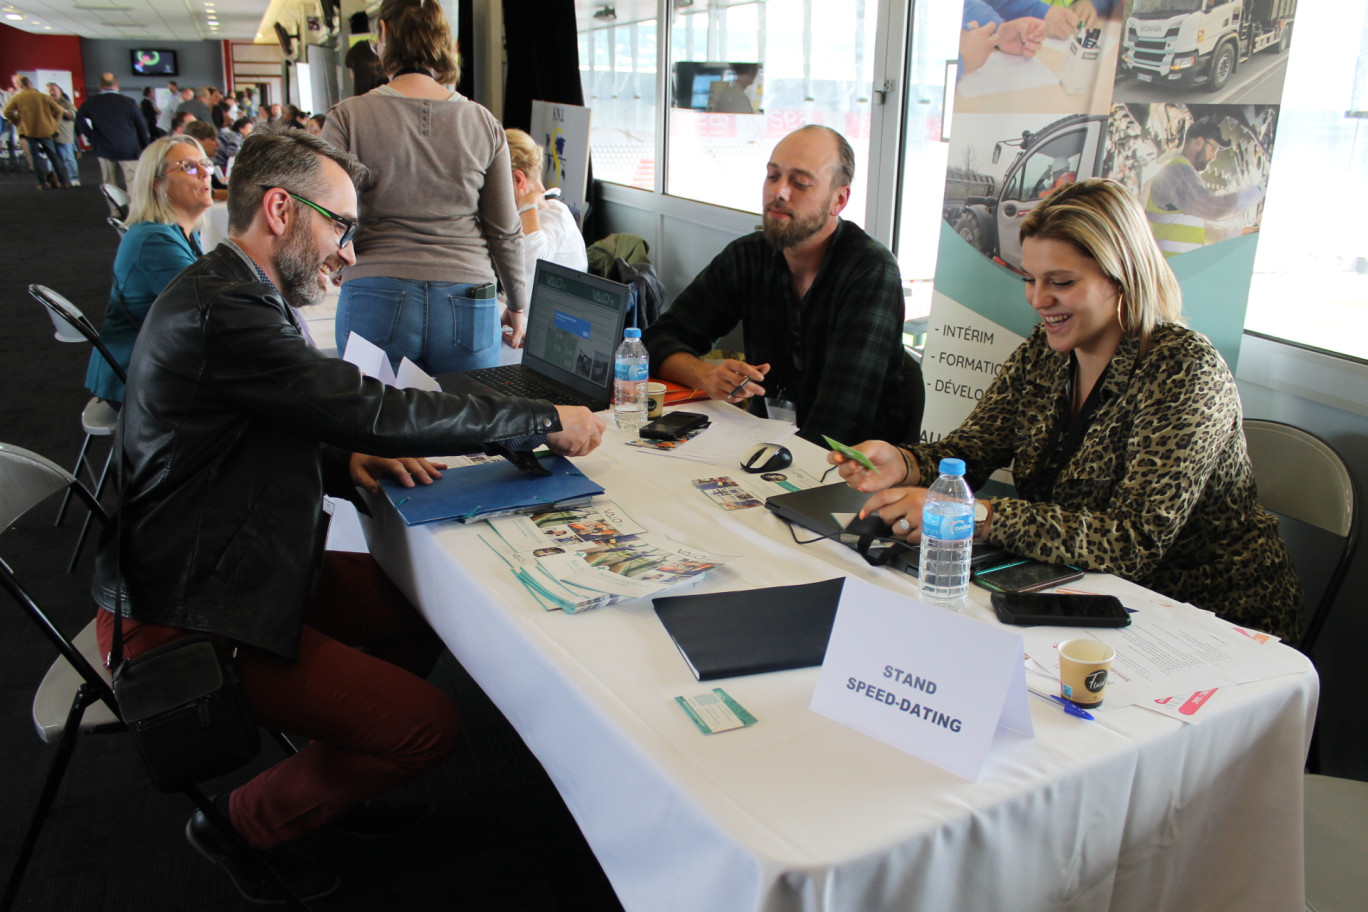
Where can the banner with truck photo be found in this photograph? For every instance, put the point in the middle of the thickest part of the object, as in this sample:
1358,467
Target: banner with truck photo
1176,99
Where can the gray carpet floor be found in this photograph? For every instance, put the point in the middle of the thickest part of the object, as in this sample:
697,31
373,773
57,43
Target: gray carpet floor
502,838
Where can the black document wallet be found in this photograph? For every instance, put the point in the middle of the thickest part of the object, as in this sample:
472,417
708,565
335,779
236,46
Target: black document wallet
724,634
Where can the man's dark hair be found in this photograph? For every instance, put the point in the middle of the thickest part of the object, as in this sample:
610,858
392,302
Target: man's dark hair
844,172
240,123
359,23
286,158
179,119
201,129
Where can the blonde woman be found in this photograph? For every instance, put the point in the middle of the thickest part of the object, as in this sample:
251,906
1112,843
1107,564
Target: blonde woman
438,224
170,194
549,229
1123,428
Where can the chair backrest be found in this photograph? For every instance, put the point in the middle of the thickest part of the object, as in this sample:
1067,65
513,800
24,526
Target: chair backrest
117,225
72,325
915,386
1302,477
26,480
118,200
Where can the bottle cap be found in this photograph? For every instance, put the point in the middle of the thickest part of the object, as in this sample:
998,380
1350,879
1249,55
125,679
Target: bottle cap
950,466
631,332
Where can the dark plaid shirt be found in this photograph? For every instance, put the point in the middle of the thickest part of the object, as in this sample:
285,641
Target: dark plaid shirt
837,354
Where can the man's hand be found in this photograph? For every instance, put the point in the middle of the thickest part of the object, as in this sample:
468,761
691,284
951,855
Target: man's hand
1022,37
580,434
1060,21
889,467
516,327
1086,12
720,381
366,470
976,44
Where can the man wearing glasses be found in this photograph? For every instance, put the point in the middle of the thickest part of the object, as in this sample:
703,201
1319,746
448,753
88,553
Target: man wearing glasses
232,430
1179,203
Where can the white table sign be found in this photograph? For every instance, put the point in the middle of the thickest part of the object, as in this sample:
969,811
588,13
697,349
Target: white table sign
927,681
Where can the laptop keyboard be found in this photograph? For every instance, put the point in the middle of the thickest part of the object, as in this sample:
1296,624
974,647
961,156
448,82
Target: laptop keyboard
515,380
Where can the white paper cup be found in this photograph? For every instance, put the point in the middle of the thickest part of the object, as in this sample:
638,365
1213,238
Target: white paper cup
1084,665
655,399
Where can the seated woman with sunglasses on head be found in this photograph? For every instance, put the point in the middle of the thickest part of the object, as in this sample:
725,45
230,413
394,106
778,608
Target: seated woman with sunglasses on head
170,194
1123,429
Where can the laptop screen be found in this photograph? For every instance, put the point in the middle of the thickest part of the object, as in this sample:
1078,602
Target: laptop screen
574,324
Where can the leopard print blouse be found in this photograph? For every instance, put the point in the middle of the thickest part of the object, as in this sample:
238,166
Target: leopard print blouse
1160,490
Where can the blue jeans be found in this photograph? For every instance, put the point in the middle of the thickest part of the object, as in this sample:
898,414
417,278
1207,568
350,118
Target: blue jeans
67,153
45,159
436,325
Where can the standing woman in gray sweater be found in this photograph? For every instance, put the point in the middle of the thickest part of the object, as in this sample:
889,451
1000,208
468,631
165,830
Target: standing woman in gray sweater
439,220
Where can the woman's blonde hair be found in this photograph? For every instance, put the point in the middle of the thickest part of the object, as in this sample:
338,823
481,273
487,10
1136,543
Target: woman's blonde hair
417,35
147,198
524,153
1105,221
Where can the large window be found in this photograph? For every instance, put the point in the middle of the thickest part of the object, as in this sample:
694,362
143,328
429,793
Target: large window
618,70
1311,272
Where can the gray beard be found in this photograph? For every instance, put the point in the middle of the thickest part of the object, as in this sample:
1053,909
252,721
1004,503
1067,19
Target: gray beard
297,266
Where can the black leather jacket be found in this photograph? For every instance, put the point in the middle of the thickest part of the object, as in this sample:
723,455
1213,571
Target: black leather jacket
233,429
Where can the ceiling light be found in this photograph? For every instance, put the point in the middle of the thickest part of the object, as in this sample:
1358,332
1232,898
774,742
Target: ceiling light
15,16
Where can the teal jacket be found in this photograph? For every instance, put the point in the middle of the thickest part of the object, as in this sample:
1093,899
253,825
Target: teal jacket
150,256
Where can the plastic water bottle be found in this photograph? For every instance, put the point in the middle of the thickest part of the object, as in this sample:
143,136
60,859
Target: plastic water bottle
947,538
630,367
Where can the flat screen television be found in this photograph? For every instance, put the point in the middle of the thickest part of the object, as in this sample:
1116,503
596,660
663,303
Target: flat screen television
154,63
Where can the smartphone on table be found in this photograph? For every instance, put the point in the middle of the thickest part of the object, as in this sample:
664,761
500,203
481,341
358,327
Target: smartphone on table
1060,609
672,425
1025,575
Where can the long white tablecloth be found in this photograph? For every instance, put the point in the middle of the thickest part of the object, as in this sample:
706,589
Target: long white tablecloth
1133,812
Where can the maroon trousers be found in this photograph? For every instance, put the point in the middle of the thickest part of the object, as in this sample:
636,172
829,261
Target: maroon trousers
356,690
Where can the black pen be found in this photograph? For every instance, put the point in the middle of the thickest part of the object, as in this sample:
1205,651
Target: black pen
739,387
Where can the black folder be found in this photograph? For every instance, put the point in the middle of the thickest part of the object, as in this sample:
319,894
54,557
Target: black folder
724,634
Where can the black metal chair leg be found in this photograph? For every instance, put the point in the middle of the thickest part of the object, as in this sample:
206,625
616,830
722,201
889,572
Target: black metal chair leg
85,695
226,828
85,526
66,497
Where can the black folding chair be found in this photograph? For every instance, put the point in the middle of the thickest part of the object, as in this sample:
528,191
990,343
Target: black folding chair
75,697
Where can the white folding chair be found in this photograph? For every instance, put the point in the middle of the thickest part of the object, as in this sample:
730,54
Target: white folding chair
98,418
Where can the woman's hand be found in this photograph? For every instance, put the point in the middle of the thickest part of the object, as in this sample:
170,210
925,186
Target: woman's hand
366,471
515,323
889,467
901,508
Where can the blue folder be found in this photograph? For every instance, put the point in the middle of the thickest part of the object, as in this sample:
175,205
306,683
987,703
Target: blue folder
473,493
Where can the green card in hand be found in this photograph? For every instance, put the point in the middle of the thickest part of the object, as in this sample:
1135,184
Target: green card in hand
849,452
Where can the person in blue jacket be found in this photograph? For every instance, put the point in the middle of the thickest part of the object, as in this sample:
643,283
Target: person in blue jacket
1061,17
170,194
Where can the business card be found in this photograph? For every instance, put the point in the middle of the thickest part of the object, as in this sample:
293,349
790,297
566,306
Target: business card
715,711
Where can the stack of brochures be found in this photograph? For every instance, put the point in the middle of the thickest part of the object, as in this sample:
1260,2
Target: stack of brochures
592,555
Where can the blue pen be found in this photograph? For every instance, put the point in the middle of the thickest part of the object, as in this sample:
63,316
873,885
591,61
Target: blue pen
1068,707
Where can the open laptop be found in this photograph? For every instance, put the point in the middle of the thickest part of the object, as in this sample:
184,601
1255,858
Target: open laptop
826,510
574,325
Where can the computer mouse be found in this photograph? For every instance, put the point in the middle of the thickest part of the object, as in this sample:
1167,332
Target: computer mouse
766,457
872,526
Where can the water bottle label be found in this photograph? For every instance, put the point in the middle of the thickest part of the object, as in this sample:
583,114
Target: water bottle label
632,373
948,528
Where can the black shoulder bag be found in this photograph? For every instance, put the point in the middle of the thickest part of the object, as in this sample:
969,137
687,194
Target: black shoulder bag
183,702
